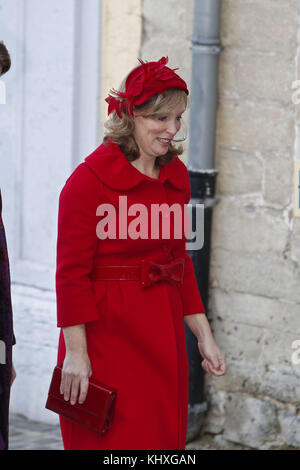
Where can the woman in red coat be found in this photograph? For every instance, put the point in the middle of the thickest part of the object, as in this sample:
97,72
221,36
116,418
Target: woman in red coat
124,288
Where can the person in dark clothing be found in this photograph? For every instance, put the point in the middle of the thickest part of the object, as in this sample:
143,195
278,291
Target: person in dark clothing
7,338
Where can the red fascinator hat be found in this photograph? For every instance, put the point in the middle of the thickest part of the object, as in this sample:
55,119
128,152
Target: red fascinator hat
144,81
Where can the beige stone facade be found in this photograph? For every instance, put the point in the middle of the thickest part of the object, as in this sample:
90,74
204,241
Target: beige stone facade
254,304
121,42
255,268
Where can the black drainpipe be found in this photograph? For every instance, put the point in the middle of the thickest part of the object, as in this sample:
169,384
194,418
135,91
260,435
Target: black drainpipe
205,48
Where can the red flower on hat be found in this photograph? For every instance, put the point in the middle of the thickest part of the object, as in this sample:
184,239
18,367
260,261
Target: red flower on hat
143,82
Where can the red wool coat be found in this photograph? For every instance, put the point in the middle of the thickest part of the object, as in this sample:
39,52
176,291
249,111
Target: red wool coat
135,334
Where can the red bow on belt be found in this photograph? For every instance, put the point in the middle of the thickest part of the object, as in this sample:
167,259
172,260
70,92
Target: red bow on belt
152,272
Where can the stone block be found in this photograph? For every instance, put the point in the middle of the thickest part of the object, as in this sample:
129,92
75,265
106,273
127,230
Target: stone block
296,92
258,274
262,26
121,42
35,352
258,358
289,421
169,33
253,310
244,74
241,227
278,179
295,241
215,416
252,126
239,172
227,85
250,421
175,19
265,76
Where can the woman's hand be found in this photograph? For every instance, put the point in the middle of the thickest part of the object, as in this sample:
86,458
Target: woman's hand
76,372
214,360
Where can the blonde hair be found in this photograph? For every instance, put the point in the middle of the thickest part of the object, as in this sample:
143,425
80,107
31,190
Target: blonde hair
120,130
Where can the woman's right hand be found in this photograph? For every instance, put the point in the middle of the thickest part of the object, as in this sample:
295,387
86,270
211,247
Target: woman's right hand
75,376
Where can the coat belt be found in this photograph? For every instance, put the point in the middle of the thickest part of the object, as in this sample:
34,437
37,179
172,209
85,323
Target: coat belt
147,272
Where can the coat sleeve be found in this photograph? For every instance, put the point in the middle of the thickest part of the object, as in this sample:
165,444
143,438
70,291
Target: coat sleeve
191,298
76,245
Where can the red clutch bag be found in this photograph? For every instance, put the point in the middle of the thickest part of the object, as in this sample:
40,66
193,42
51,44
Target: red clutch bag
96,413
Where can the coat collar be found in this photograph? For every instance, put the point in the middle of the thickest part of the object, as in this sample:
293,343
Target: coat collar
111,166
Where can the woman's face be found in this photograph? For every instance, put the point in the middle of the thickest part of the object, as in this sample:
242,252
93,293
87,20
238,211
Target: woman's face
153,135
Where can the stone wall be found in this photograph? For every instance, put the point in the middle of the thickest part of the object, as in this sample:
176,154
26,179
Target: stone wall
255,295
254,280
